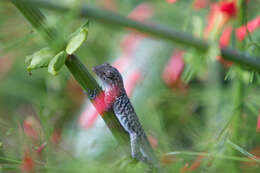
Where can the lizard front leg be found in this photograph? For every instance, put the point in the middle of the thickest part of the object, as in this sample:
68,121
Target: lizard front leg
92,94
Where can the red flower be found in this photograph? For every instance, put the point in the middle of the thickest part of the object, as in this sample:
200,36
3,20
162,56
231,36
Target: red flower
29,127
88,117
109,4
251,26
174,68
229,8
56,137
225,37
215,20
185,168
198,4
220,14
196,164
171,1
153,141
223,42
132,80
258,124
141,12
40,148
5,65
28,164
130,42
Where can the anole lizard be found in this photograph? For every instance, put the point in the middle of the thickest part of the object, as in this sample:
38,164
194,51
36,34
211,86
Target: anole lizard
116,99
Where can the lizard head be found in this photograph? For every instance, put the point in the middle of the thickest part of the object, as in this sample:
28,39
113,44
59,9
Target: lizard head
109,75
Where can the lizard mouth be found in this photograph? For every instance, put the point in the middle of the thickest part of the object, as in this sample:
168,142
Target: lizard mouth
98,71
95,70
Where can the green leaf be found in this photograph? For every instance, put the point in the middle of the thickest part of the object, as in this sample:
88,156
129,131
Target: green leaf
77,40
244,152
39,59
57,62
85,25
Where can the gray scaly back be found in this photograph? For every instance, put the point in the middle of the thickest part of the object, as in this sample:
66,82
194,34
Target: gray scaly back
117,99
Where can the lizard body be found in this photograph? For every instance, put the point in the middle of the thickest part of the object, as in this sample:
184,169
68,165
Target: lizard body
117,100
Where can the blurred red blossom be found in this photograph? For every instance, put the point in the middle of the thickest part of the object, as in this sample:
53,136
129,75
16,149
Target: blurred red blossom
173,70
225,37
5,65
171,1
252,25
218,19
153,141
229,8
220,14
167,159
40,148
30,127
223,42
215,20
28,164
185,168
195,165
132,79
258,124
88,117
198,4
108,4
141,12
129,42
56,137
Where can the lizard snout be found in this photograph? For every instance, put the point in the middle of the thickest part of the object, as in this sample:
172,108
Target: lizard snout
94,69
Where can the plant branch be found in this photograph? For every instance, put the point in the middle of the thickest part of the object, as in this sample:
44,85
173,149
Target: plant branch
156,30
191,153
77,69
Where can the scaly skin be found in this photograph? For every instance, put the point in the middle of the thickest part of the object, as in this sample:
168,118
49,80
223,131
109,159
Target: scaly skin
117,99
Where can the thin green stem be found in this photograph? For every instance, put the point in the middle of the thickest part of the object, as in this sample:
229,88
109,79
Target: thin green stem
78,70
88,83
191,153
241,150
10,160
156,30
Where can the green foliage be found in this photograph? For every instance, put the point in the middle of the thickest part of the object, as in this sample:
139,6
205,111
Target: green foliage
77,40
39,59
57,62
211,122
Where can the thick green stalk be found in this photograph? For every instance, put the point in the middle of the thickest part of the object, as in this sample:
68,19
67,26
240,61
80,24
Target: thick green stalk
77,69
157,30
89,84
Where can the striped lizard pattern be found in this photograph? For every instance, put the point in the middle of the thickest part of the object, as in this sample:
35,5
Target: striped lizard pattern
117,100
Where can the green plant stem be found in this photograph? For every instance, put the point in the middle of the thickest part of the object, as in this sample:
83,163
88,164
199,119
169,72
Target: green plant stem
78,70
157,30
236,158
89,84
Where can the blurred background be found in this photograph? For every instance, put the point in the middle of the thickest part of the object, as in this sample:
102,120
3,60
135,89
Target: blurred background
200,112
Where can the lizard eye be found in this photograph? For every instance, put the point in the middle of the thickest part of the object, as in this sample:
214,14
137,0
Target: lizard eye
109,74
